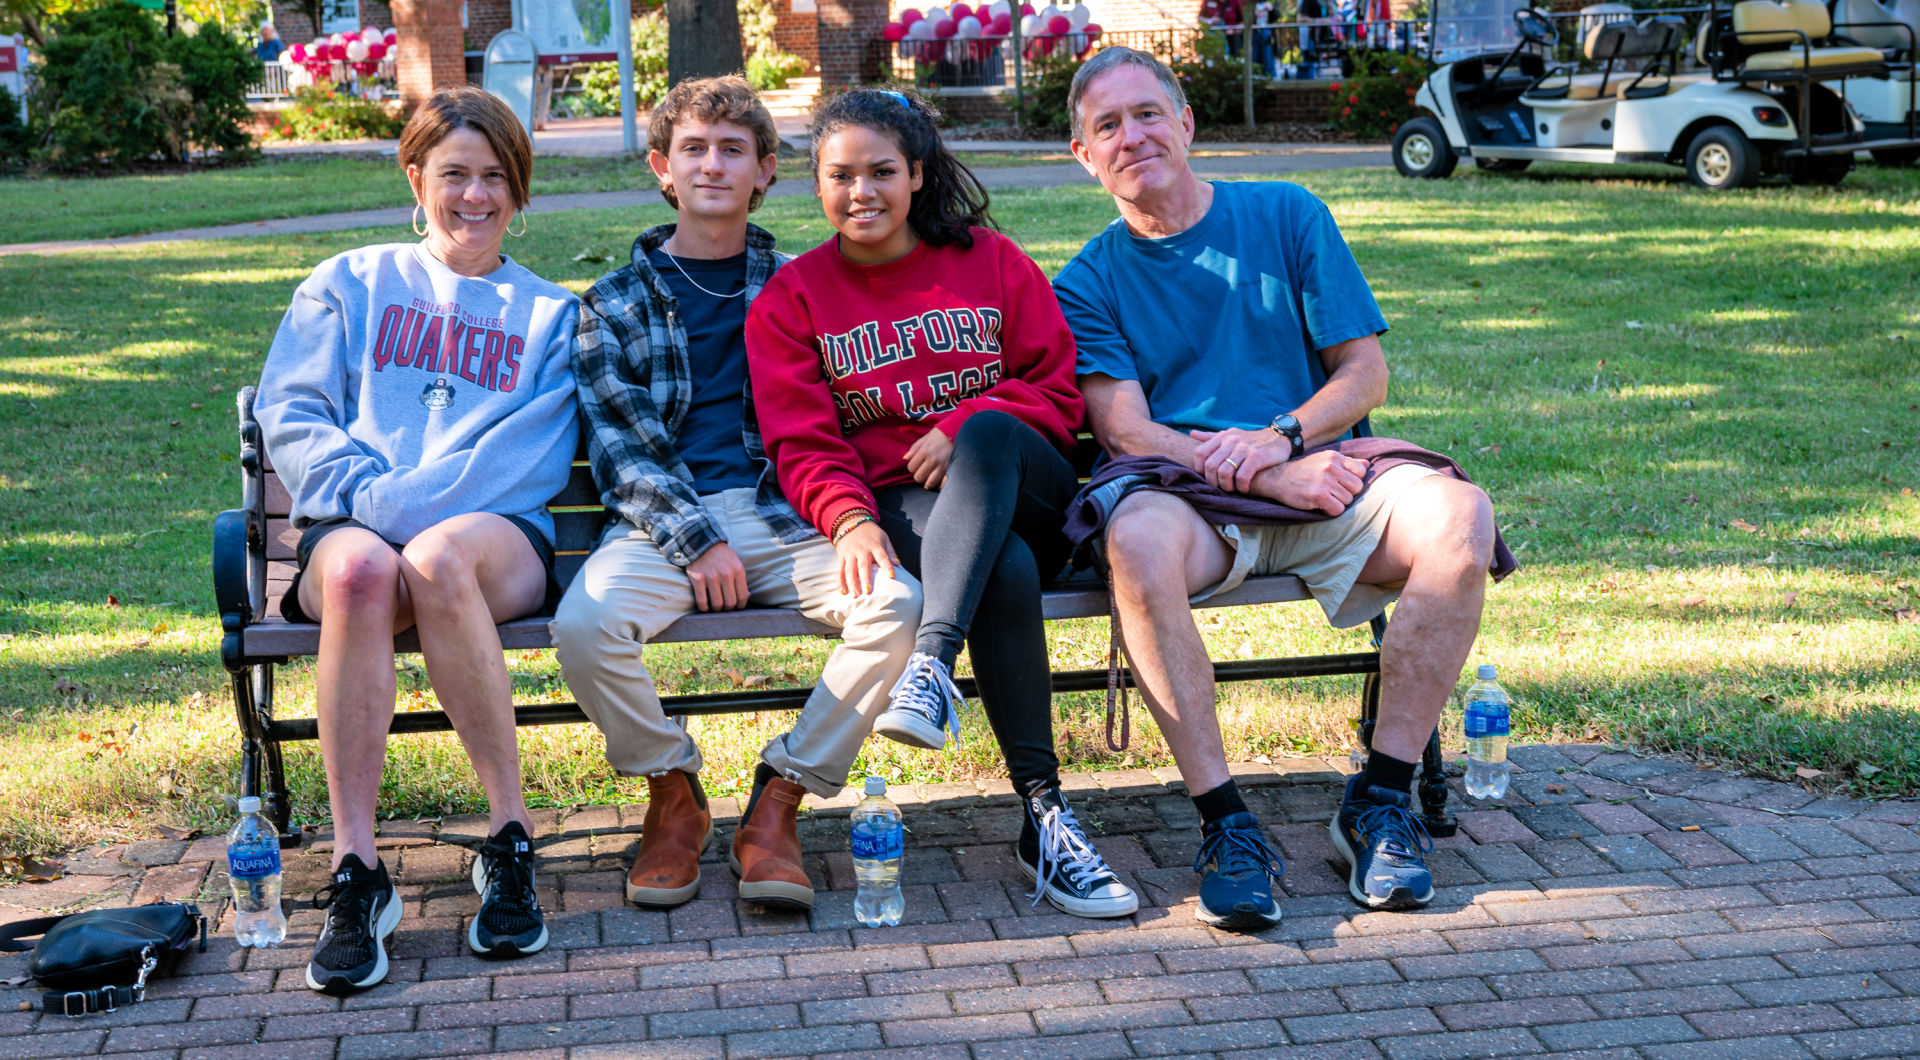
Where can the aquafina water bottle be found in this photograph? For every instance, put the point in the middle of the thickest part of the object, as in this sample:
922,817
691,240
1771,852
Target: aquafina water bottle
253,867
878,842
1487,721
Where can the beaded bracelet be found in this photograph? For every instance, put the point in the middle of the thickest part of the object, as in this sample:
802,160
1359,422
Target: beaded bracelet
845,520
840,533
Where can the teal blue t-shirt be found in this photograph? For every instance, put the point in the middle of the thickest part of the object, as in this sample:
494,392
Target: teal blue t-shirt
1220,323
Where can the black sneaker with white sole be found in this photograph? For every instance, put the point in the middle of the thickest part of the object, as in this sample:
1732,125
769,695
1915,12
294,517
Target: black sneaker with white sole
362,910
1063,865
509,924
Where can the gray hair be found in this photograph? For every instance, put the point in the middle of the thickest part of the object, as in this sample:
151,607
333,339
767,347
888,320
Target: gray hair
1108,58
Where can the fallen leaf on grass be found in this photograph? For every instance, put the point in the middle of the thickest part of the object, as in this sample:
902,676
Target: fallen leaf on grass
1489,450
1742,524
65,687
754,681
33,870
1692,601
1906,614
593,255
112,600
1867,769
1789,598
1808,773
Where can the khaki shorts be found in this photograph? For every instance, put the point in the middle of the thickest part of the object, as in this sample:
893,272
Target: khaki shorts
1327,555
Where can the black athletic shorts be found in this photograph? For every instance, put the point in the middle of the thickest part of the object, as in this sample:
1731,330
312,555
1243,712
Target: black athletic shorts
319,528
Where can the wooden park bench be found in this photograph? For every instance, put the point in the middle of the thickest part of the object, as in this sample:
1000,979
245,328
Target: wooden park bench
253,562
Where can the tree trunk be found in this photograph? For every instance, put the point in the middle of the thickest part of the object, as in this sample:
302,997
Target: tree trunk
703,39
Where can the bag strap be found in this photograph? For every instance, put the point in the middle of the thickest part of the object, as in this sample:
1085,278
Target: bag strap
76,1003
1116,674
11,934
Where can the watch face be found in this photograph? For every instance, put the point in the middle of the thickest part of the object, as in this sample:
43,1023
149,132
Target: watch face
1286,423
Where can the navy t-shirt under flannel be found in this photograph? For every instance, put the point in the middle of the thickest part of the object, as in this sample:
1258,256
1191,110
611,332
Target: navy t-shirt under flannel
712,438
1220,324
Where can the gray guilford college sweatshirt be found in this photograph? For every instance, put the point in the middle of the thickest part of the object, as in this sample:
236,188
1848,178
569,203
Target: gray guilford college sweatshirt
400,393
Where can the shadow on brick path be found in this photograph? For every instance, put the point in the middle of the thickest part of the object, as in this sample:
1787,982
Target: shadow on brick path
1611,906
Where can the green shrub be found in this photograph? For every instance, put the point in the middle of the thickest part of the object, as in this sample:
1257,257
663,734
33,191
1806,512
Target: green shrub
1215,84
770,70
318,112
1379,97
1043,104
600,87
114,90
13,133
217,68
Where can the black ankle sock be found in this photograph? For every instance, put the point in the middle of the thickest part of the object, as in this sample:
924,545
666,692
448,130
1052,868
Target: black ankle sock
1223,801
948,652
1385,771
761,774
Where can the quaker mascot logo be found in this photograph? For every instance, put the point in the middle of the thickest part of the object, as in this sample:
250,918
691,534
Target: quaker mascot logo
437,395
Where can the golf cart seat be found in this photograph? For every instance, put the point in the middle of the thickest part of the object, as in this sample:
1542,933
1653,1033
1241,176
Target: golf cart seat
1613,42
1872,24
1762,39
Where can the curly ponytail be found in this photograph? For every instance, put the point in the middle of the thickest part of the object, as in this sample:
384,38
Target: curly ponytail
951,199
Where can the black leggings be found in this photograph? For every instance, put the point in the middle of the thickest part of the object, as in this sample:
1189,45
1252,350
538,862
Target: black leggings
992,534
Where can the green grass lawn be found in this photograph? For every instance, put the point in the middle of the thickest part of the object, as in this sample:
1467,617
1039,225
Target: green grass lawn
56,208
1696,415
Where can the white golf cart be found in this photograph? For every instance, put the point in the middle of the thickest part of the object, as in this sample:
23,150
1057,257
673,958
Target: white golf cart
1889,109
1759,107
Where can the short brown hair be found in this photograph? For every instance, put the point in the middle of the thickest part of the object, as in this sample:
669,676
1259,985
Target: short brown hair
471,107
714,99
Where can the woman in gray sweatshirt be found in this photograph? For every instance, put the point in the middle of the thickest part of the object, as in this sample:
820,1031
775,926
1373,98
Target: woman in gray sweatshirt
418,402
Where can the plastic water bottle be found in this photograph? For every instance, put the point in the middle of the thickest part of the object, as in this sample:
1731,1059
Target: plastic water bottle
1487,720
878,842
253,867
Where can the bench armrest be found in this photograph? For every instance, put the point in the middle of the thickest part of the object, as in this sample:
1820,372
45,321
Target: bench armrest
230,591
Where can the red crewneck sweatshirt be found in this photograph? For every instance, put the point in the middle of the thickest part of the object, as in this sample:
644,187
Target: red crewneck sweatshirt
851,364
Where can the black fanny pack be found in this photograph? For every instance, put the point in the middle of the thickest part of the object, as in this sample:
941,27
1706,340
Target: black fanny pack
100,960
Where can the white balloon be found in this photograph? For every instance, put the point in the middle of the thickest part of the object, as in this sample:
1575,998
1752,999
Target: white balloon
298,77
968,28
1029,25
1000,7
318,41
369,33
935,14
357,51
921,30
1079,15
286,58
390,34
1047,13
338,38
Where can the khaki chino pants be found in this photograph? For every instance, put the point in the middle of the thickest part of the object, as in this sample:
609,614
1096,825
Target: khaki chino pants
627,592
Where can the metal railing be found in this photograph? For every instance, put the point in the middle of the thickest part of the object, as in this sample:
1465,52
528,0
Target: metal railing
270,84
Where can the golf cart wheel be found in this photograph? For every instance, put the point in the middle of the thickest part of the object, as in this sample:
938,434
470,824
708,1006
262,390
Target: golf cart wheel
1897,156
1722,158
1420,149
1503,165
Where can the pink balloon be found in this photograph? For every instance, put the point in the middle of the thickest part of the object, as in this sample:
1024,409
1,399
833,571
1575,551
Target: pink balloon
349,37
1059,24
910,16
1092,30
376,51
389,35
299,53
1027,9
893,31
958,12
945,28
1000,26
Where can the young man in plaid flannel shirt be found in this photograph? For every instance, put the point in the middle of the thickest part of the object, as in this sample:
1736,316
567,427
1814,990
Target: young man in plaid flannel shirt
661,366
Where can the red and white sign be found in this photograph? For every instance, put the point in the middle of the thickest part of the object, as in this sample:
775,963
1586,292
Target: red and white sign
9,56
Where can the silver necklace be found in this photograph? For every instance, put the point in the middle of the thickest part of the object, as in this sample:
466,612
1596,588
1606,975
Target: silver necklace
696,283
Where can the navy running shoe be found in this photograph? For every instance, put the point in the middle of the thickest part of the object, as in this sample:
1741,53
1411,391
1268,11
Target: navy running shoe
1384,846
1238,870
924,705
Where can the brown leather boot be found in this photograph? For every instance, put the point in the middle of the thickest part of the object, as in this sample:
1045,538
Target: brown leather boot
677,829
766,849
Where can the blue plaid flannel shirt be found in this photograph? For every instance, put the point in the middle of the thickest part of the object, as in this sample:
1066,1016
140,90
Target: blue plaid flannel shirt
631,368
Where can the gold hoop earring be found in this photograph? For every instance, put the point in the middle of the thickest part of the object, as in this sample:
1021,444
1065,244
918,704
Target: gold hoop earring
414,221
522,218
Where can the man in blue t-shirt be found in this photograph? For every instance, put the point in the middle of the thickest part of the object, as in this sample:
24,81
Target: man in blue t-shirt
1227,326
661,366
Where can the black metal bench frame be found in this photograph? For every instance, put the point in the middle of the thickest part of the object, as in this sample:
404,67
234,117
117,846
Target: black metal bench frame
253,559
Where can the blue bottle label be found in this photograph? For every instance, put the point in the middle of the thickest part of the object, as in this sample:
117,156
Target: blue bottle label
1486,718
877,844
253,863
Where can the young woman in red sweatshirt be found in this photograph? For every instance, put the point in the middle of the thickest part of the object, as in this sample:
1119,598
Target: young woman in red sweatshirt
914,378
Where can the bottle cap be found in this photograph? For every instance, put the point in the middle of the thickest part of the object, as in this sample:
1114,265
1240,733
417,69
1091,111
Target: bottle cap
876,785
250,804
1487,671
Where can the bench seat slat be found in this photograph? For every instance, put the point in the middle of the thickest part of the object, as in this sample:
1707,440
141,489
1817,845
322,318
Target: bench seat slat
279,637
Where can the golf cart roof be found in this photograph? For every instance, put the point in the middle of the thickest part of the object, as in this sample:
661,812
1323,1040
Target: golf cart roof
1463,28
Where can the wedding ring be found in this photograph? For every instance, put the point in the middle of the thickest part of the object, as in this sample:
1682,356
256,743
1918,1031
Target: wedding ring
1234,464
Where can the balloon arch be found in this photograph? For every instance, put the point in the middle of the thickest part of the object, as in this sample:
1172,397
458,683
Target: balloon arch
315,63
961,32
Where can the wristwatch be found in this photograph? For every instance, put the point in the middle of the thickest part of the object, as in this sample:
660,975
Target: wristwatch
1289,428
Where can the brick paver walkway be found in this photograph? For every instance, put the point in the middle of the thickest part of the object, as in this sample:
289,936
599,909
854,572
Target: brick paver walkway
1614,906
